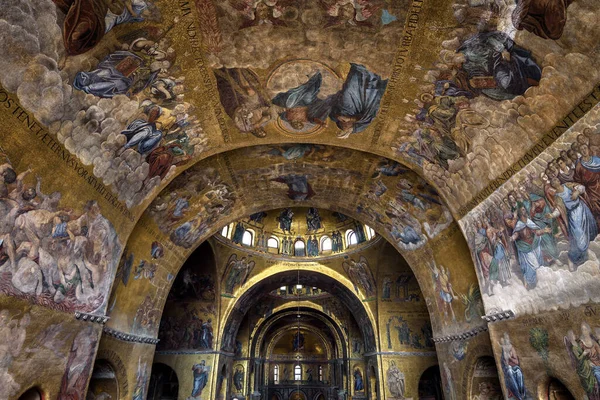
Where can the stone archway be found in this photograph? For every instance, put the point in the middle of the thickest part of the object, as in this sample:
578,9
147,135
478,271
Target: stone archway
103,383
31,394
297,395
430,384
164,384
558,391
484,379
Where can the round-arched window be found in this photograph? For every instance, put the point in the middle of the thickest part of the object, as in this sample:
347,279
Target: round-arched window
370,232
273,243
325,243
299,248
225,231
351,238
248,238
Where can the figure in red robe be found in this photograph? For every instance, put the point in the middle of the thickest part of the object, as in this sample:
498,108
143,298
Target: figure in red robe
544,18
587,173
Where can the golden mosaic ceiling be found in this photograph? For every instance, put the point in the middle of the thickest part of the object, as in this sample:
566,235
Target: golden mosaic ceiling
402,114
458,91
134,129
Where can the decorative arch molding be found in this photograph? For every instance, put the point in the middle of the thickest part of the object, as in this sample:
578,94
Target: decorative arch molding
304,268
307,326
120,368
251,205
260,333
234,317
298,391
180,254
304,305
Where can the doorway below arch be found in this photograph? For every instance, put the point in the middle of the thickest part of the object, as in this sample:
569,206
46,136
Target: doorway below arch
164,384
430,384
558,391
484,380
31,394
103,383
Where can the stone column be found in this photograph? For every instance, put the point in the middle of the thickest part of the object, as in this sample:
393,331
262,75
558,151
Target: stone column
257,371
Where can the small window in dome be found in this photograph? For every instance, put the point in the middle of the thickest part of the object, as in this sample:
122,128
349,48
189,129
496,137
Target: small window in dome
248,238
299,248
351,238
273,243
325,243
370,232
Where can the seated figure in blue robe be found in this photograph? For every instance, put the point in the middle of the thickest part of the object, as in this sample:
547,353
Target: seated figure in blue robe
355,106
115,75
142,135
497,67
297,101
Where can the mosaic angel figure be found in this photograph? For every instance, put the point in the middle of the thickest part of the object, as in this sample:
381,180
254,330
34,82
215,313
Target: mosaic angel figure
237,272
360,274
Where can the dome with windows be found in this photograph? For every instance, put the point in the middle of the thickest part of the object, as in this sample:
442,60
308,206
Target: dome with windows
298,232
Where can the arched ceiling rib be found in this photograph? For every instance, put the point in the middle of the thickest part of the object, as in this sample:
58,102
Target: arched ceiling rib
396,199
398,204
270,331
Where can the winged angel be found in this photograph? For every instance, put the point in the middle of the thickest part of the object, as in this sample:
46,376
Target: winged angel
360,274
237,272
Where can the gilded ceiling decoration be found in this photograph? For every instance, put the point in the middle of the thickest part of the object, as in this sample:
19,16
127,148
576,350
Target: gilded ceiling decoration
140,93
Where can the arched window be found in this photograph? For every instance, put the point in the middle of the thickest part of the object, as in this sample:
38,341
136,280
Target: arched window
273,243
325,243
225,231
370,232
297,373
248,238
351,238
276,374
320,373
299,248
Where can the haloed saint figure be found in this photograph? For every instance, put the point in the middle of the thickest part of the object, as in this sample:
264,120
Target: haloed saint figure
298,342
